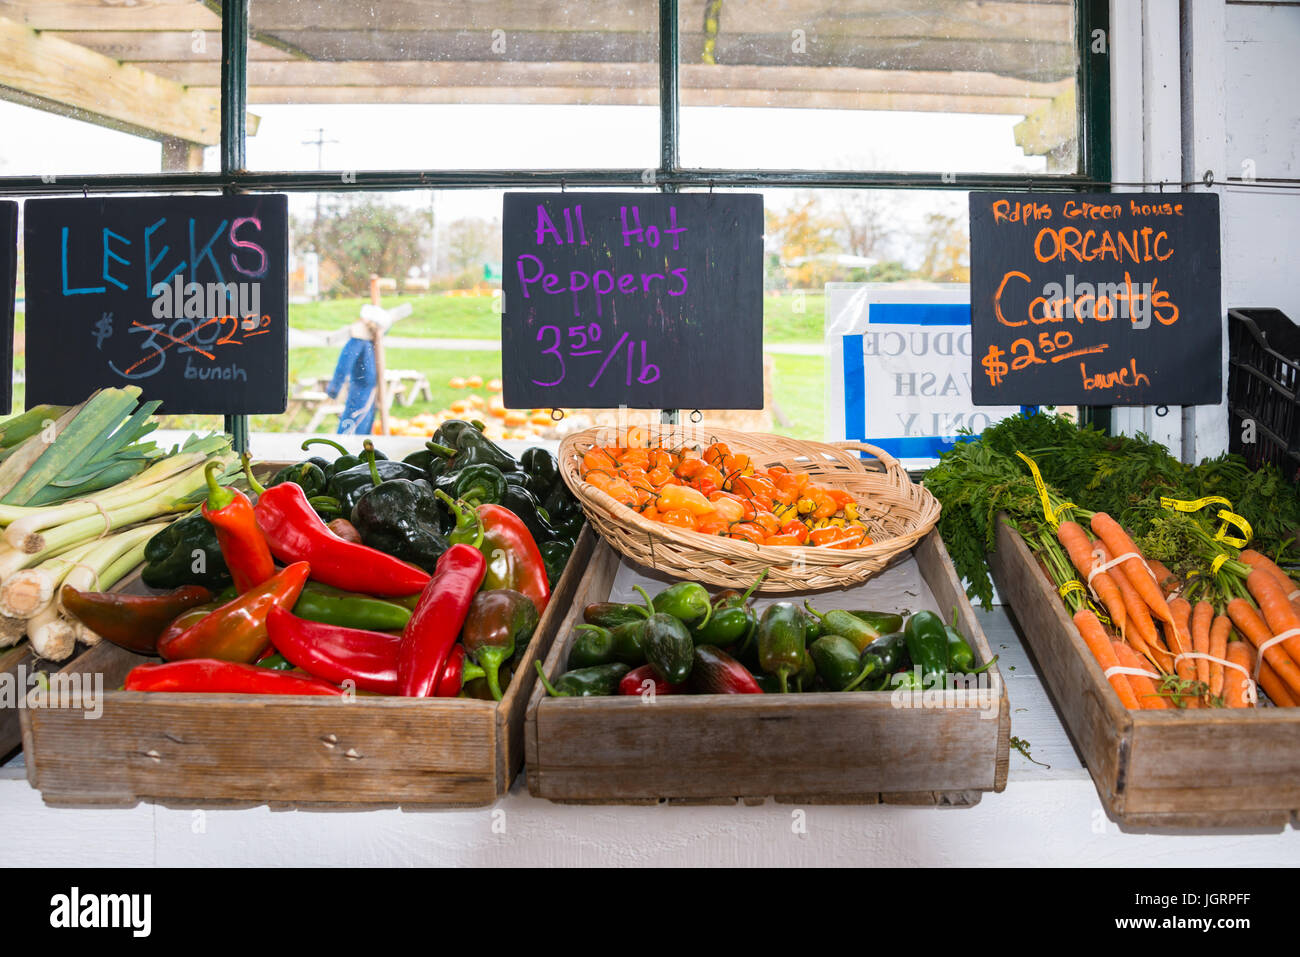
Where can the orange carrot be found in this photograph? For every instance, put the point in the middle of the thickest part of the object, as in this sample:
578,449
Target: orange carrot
1276,688
1219,633
1119,543
1248,622
1180,642
1164,577
1141,633
1202,615
1234,684
1094,636
1276,608
1143,687
1079,547
1255,560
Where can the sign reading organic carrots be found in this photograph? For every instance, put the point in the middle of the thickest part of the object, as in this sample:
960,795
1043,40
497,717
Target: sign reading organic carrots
1095,299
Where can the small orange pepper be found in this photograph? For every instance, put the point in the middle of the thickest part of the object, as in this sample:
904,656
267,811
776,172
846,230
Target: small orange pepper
683,496
711,524
788,540
748,532
679,517
768,522
727,507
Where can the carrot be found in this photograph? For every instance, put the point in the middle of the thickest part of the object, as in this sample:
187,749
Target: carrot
1119,543
1277,610
1094,636
1202,615
1276,688
1219,633
1079,547
1234,690
1142,633
1164,577
1180,642
1255,560
1143,687
1248,622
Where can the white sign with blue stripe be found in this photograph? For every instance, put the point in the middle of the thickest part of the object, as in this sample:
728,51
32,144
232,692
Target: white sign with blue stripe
898,369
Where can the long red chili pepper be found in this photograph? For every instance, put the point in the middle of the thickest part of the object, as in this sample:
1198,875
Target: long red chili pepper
296,533
237,630
243,545
367,658
435,624
223,677
514,560
133,622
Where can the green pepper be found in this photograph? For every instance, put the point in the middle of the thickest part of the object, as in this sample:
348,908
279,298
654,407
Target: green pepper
541,466
479,485
769,683
886,654
812,627
668,648
345,460
569,527
927,643
732,618
610,614
961,656
449,431
807,676
597,681
781,641
474,448
474,681
629,642
885,622
524,504
688,602
906,681
555,556
186,552
498,622
592,645
846,625
350,484
432,454
349,609
836,660
402,518
276,662
306,475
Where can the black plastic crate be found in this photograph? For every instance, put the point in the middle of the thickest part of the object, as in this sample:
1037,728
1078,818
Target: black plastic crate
1263,385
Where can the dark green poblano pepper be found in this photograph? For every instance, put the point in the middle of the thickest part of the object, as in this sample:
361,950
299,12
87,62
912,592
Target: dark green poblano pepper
186,552
306,475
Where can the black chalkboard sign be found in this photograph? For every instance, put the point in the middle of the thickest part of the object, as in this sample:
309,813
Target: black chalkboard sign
1095,299
183,296
8,275
643,300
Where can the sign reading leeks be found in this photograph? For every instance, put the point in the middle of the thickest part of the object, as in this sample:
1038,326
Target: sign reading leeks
1095,299
183,296
8,274
643,300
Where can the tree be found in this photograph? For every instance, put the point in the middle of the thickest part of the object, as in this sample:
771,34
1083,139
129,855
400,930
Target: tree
946,249
471,243
805,235
361,235
861,218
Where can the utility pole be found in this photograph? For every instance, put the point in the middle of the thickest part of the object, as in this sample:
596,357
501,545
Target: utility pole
319,142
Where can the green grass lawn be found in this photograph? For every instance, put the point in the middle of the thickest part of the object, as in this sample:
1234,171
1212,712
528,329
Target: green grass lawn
786,318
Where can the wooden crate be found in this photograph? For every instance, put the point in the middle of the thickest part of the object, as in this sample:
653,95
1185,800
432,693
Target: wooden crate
856,748
17,665
208,749
1168,768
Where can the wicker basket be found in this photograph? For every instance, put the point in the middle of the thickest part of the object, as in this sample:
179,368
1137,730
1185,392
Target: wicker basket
897,512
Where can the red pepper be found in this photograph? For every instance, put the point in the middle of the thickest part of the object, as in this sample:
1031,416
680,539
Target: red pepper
296,533
513,558
237,630
243,545
223,677
634,682
458,673
336,654
435,624
133,622
716,672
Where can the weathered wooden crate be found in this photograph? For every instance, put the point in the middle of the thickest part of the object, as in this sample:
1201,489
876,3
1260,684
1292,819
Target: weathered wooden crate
856,748
17,667
208,749
1169,768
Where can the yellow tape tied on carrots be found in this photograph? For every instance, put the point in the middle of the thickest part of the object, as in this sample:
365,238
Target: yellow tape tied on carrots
1051,515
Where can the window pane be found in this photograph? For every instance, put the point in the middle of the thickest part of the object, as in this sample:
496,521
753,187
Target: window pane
395,84
903,85
96,87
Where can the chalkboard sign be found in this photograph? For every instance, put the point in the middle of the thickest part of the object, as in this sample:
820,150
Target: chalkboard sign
649,301
8,275
1095,299
183,296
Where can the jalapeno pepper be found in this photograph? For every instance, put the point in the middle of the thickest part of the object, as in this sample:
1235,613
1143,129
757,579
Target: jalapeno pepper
716,672
585,682
668,647
836,660
497,622
611,614
781,642
961,656
591,646
688,602
846,625
634,682
629,643
731,620
927,643
878,660
885,622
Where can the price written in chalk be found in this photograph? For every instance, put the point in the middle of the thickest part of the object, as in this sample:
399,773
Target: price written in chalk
583,342
1050,347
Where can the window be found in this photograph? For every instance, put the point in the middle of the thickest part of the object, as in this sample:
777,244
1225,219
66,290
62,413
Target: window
864,124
